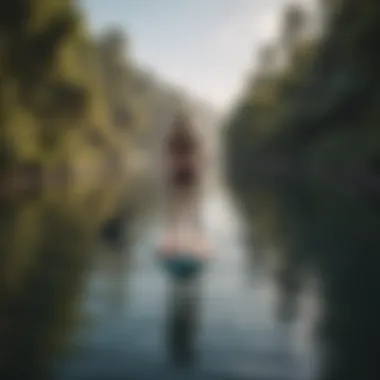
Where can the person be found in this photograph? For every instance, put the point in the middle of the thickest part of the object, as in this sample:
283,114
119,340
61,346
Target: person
184,247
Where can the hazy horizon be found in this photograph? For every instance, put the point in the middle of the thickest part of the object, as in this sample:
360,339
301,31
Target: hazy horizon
203,46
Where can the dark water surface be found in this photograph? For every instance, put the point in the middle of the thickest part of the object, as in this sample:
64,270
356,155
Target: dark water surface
326,237
83,296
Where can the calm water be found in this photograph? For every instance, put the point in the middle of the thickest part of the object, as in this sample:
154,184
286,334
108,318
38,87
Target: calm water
83,296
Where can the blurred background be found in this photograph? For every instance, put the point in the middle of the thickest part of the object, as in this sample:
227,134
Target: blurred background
284,96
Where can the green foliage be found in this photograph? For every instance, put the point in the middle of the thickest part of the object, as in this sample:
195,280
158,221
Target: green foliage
319,109
65,98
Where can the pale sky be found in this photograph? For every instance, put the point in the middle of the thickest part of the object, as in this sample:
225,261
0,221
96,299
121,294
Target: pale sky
205,46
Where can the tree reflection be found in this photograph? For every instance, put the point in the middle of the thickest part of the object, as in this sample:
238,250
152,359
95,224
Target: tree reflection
183,321
47,247
324,232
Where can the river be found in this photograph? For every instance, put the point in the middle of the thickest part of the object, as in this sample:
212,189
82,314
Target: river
84,296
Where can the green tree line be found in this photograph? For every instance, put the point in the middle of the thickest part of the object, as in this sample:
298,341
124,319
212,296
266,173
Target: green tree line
68,102
311,105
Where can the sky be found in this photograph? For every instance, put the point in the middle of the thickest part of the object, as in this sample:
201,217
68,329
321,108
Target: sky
204,46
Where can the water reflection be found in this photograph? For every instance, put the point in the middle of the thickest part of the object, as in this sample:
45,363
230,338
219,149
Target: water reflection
80,301
184,315
46,252
330,239
116,236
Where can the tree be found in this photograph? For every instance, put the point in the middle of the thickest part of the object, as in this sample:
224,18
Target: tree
294,22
